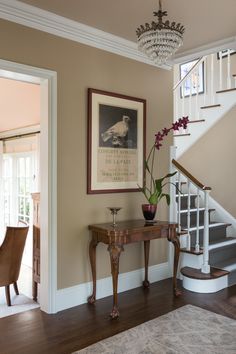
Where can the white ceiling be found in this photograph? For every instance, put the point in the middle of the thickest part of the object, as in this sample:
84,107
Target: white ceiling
206,21
19,104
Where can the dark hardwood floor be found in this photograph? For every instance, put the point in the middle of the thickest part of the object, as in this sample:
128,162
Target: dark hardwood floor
35,332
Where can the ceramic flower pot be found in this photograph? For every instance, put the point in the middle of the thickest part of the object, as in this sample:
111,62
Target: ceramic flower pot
149,211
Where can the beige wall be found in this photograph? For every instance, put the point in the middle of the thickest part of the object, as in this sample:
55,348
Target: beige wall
212,161
79,67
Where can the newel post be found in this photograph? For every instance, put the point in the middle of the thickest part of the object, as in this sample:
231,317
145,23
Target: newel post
205,266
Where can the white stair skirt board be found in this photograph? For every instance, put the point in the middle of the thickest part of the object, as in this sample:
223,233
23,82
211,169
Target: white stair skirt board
205,286
211,116
78,294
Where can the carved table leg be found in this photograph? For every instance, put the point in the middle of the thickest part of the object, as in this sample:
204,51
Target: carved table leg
146,282
92,255
115,251
172,237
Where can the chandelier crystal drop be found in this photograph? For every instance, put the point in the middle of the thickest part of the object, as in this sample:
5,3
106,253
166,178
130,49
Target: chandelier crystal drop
160,40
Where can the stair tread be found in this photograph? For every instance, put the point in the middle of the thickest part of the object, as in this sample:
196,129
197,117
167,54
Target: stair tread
182,211
211,225
196,121
191,251
224,242
228,264
197,274
226,90
187,134
211,106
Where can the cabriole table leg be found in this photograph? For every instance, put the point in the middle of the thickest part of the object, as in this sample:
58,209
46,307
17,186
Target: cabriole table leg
146,282
92,255
115,251
172,237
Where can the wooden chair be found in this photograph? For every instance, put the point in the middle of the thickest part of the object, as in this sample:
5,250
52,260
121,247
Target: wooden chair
11,252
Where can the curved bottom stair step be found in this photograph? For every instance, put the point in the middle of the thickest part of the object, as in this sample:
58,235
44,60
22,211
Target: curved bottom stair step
194,273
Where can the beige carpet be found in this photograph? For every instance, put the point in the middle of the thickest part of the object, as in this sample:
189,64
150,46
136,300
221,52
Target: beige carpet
187,330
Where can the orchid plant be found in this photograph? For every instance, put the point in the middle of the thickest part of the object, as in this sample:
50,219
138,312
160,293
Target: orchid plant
154,192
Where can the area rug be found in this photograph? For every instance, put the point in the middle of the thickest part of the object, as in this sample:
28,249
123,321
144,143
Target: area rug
19,303
187,330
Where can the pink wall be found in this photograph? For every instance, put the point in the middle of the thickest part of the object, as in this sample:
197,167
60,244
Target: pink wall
19,104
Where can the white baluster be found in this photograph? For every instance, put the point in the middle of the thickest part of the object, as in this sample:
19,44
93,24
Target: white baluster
205,81
205,266
176,98
179,203
228,70
212,80
197,90
197,247
188,217
183,100
190,96
220,65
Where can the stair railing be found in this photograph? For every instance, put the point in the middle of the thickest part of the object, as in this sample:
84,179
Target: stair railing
189,103
184,175
217,76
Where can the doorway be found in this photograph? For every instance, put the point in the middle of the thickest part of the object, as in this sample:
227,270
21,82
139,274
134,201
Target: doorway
47,80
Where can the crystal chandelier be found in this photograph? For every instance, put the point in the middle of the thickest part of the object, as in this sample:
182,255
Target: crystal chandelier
160,40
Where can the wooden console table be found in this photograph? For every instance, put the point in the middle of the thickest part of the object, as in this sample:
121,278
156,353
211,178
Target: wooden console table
124,233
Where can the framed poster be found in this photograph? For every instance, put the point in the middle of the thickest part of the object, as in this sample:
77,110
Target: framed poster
116,142
197,79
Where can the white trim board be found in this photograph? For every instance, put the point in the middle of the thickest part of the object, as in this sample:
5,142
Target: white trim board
78,294
33,17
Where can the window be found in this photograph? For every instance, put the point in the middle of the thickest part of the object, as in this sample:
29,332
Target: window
18,184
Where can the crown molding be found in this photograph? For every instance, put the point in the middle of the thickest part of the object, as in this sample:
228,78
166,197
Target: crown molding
33,17
227,43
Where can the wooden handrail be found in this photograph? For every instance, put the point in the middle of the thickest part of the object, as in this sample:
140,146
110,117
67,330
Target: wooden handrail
188,74
190,176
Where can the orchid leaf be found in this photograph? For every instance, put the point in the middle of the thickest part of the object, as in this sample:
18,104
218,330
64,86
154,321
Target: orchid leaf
167,196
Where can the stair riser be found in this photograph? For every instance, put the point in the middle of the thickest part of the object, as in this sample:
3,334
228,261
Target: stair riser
184,202
222,254
215,233
232,278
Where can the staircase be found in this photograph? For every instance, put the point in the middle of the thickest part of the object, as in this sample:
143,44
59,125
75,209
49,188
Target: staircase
207,108
208,245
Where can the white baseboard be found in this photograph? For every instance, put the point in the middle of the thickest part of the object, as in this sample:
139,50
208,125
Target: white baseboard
77,295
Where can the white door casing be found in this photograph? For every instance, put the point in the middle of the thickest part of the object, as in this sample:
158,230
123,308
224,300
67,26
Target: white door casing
48,177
